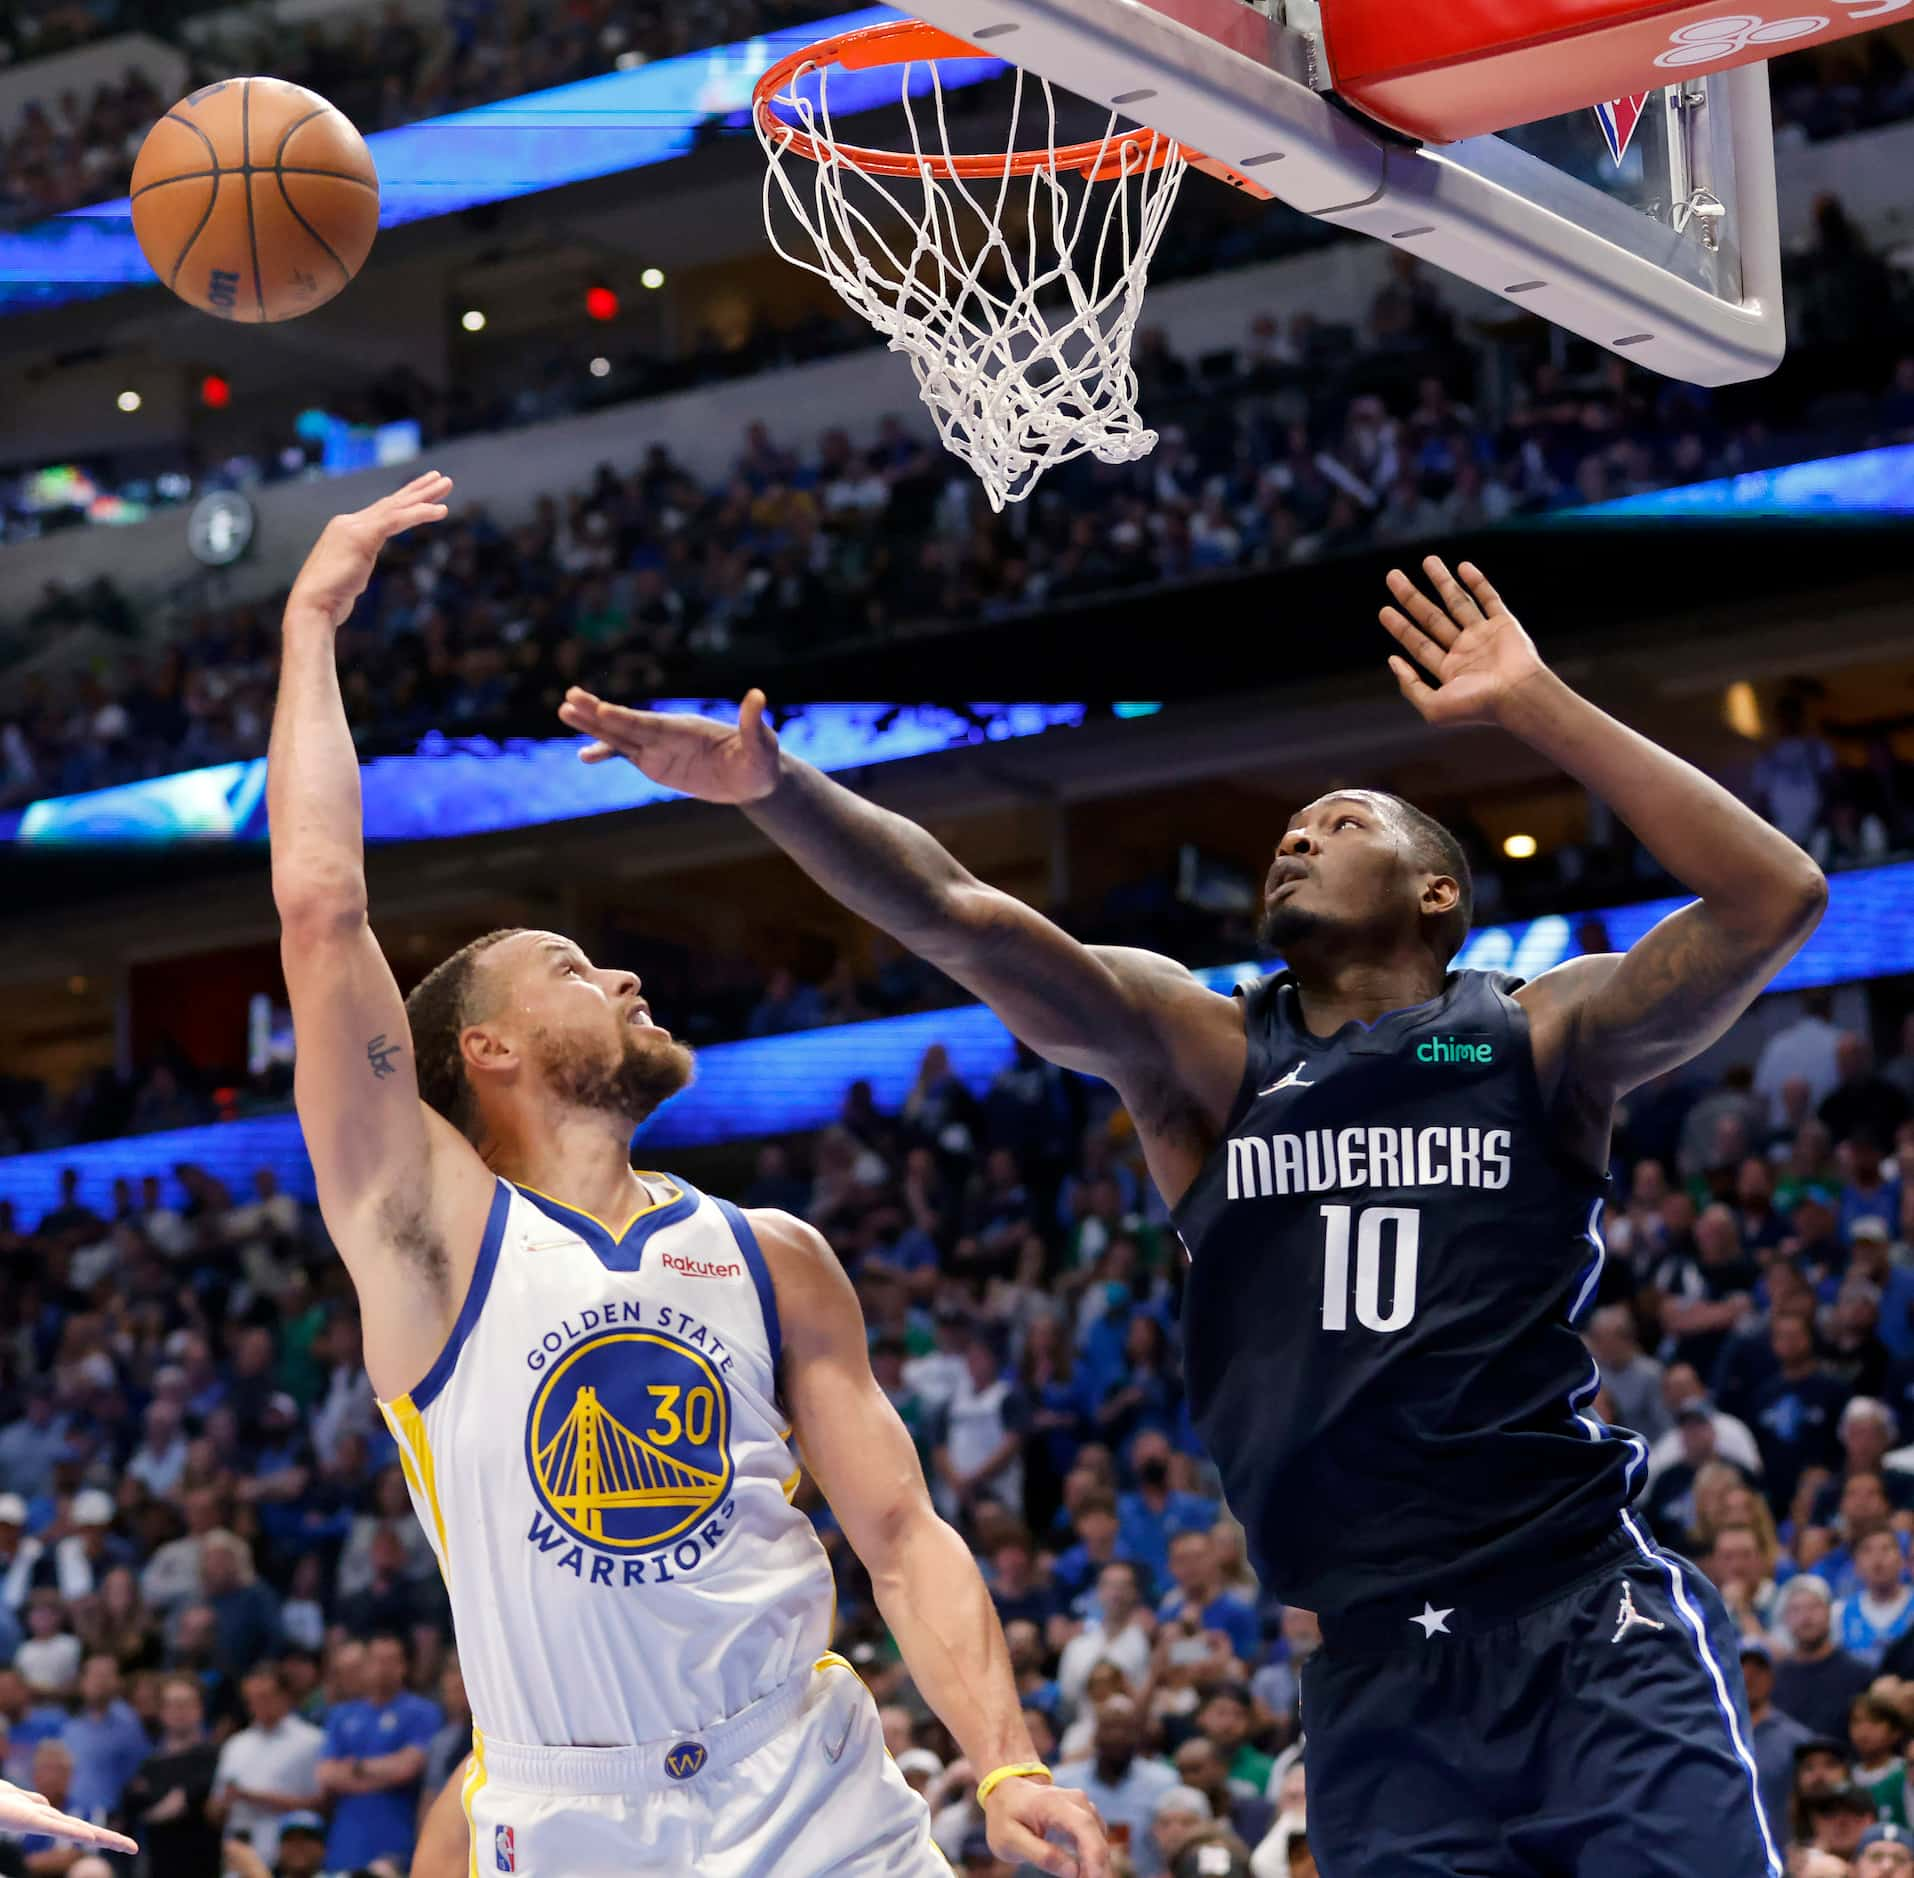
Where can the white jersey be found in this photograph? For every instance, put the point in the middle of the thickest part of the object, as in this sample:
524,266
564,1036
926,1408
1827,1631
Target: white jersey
599,1459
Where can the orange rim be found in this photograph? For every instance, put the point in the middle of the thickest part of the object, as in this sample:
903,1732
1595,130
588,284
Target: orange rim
911,42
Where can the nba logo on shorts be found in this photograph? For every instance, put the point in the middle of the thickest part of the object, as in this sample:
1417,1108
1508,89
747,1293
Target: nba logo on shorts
507,1849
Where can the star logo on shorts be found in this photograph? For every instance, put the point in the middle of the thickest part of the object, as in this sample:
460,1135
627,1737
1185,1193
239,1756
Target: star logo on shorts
1433,1620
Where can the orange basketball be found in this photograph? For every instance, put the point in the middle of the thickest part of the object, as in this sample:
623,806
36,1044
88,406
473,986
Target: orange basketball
255,199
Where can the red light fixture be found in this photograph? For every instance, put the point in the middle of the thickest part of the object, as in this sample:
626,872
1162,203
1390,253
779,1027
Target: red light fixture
214,392
601,303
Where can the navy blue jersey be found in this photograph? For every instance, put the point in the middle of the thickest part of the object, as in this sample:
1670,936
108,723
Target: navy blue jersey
1386,1253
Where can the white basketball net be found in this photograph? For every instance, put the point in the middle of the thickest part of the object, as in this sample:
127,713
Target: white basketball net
1019,335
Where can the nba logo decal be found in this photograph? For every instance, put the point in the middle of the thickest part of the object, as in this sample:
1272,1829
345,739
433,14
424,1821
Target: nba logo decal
685,1759
1618,121
507,1849
628,1441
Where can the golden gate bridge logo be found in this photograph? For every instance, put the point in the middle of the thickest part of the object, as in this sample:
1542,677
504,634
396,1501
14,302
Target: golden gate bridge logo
628,1439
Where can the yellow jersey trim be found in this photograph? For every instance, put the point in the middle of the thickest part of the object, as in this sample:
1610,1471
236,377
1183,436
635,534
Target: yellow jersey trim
415,1458
468,1796
615,1232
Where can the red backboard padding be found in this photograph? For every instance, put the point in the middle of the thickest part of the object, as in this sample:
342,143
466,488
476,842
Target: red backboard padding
1459,68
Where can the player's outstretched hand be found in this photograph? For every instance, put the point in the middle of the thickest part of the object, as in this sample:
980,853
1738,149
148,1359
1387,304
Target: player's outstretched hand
1465,639
1020,1812
341,562
695,755
22,1811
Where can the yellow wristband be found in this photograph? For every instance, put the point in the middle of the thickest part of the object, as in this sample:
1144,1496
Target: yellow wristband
1019,1770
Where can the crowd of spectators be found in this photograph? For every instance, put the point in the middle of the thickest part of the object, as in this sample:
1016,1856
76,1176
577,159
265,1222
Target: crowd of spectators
382,66
1845,814
550,374
213,1594
169,1093
211,1603
385,66
69,150
1858,84
1302,443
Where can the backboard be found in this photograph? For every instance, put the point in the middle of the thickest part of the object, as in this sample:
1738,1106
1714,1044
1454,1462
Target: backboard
1670,258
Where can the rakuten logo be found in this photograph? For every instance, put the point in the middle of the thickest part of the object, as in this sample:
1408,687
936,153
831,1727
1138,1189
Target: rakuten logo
1709,42
698,1268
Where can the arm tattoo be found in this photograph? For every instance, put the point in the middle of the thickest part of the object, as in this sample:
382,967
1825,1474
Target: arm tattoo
1674,992
379,1054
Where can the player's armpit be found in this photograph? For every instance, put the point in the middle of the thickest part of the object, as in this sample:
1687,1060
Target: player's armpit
404,1197
1606,1024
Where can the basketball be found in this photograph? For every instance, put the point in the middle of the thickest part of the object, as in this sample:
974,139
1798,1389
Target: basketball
255,200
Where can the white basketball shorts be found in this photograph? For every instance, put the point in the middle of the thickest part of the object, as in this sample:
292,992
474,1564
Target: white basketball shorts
796,1786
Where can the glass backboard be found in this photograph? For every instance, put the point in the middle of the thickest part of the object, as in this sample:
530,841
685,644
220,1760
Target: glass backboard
1670,257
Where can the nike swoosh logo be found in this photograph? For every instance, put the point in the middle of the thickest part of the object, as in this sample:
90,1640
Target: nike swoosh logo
834,1753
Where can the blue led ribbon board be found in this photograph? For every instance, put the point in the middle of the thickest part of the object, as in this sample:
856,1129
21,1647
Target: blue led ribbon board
473,785
1869,482
514,147
781,1085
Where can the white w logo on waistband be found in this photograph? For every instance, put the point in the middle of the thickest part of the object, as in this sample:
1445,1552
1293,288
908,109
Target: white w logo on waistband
1628,1616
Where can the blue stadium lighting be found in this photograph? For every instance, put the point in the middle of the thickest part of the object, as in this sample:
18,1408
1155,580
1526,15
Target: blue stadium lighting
475,786
515,147
1869,482
781,1085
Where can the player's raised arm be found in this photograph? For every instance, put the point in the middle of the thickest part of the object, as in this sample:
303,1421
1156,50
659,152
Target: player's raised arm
396,1184
927,1585
1605,1024
1099,1009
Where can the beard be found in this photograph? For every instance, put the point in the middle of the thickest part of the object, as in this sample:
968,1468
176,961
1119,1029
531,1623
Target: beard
1285,926
647,1070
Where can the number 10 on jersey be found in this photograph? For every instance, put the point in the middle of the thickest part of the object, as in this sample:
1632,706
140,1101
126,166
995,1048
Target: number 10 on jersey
1404,1226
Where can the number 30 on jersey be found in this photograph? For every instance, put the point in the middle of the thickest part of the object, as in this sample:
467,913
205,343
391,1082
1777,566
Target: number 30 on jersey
1402,1227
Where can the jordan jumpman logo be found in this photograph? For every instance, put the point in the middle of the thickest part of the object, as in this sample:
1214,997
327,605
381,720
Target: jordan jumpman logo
1294,1080
1628,1616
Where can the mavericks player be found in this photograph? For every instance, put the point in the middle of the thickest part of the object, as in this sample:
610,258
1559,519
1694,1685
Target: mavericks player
1389,1178
594,1377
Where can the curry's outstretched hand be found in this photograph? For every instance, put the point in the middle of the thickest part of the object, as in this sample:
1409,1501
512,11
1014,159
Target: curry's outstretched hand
1020,1812
696,755
23,1811
342,560
1466,639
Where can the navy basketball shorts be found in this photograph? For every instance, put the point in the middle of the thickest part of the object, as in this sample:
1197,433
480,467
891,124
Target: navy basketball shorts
1600,1731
